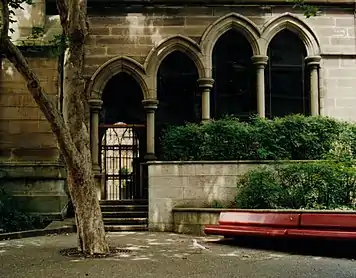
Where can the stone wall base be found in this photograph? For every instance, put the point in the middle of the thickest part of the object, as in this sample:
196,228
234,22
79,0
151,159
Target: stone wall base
39,188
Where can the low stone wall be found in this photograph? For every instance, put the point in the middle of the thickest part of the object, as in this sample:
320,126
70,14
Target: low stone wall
39,188
193,220
191,184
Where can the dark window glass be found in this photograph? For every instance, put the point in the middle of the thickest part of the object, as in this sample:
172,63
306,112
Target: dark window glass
287,82
234,91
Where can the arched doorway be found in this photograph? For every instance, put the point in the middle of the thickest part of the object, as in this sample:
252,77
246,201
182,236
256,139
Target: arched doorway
122,138
177,93
287,81
234,90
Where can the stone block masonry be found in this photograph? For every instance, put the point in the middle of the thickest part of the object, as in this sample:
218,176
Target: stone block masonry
190,184
21,119
29,168
135,34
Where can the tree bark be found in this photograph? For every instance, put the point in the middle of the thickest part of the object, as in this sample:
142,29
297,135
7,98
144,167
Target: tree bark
71,129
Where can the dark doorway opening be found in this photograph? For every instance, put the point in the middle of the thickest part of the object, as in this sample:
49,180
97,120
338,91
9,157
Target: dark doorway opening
287,82
234,91
122,137
177,93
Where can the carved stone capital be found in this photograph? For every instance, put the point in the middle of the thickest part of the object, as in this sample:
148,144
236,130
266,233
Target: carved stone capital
150,104
259,60
95,104
205,83
313,61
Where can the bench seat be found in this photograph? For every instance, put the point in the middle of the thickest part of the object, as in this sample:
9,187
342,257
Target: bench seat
293,225
244,230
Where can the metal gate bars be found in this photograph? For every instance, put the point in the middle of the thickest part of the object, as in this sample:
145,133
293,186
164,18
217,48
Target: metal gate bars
121,161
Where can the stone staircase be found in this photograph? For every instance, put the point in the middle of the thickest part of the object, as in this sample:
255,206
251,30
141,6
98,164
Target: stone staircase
125,215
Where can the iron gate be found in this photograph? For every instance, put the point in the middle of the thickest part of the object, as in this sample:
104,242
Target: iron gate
121,161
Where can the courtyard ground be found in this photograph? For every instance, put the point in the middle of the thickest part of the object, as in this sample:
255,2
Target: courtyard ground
171,255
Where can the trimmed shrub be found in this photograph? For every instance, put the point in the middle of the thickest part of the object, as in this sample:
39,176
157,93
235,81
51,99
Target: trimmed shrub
309,185
259,189
294,137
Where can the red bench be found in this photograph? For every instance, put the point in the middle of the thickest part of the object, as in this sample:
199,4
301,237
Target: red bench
280,224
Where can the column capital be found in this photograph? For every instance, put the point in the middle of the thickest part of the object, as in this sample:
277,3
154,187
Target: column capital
313,61
259,60
95,104
205,83
150,104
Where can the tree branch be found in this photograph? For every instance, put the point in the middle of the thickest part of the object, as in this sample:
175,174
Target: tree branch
63,11
5,15
47,107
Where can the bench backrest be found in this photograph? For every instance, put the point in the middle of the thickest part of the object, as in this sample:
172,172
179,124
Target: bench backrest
259,219
328,220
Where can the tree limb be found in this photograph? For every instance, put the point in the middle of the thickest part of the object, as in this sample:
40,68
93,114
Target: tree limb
47,107
62,7
5,15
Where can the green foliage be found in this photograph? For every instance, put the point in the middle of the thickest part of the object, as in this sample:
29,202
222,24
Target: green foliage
308,10
12,219
182,142
259,189
14,5
34,42
311,185
294,137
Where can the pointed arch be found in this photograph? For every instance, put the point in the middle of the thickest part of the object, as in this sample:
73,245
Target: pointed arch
166,47
113,67
231,21
293,23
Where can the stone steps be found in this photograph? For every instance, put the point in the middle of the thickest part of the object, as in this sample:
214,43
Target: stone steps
124,215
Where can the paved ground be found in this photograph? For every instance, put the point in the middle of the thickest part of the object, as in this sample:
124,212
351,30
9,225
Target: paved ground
171,255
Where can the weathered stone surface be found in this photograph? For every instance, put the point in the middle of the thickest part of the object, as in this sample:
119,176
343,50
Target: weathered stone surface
191,184
40,188
193,222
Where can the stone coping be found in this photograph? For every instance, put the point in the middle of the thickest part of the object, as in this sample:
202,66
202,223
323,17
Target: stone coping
32,170
30,164
39,232
230,162
218,210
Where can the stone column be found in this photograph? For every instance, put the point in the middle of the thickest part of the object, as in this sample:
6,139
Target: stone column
313,63
95,107
205,84
150,106
260,62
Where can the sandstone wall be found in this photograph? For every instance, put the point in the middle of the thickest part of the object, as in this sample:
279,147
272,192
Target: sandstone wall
29,169
134,35
24,132
190,184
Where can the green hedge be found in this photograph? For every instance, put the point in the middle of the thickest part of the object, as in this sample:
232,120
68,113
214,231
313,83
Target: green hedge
310,185
294,137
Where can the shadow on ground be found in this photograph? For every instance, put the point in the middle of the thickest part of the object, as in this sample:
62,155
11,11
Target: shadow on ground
310,247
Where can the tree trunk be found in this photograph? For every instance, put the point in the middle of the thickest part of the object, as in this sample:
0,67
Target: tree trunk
70,129
91,233
90,226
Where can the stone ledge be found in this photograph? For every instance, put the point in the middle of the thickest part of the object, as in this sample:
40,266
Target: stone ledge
32,170
34,233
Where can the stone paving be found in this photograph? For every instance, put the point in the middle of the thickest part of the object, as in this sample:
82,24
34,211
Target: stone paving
164,255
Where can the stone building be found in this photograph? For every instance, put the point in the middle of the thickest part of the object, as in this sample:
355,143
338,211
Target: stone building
154,63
